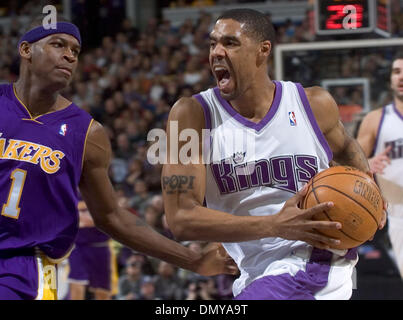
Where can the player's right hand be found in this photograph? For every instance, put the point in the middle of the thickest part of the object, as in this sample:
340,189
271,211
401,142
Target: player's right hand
380,161
293,223
215,260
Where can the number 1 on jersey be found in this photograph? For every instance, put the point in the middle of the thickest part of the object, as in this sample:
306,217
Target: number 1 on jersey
11,208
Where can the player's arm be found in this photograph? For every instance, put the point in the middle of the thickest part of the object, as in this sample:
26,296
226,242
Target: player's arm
367,139
346,150
184,186
125,227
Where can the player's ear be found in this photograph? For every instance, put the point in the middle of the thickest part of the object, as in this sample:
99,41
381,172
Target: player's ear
25,50
265,50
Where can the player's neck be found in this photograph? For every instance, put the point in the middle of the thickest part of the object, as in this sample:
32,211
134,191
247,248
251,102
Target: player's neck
255,102
39,100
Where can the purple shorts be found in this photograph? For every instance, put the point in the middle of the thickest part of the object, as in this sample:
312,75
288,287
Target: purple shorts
26,275
91,266
302,286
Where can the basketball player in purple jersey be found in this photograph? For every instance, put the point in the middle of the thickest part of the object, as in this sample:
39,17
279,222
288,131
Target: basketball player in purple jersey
381,138
92,262
249,194
48,148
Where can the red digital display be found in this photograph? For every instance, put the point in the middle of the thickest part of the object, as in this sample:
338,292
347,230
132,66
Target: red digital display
348,16
383,15
344,17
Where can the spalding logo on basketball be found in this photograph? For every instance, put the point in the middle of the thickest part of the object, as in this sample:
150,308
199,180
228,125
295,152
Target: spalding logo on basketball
358,204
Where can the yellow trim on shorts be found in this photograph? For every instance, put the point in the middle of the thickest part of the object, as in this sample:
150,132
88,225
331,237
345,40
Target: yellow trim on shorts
47,278
114,270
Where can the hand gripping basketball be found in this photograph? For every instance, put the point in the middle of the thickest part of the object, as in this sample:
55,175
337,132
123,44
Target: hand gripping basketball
293,223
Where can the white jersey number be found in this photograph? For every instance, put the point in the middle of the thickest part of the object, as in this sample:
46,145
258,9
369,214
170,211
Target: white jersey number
11,208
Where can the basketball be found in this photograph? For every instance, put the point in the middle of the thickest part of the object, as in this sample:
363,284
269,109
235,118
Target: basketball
358,204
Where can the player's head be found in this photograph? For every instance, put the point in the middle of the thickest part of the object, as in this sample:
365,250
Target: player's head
49,53
240,45
396,76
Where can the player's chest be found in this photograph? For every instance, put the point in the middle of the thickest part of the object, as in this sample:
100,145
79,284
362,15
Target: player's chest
47,146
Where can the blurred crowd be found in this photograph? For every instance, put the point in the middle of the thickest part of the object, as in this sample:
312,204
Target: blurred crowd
128,83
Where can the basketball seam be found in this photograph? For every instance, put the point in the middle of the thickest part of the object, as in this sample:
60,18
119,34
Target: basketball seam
327,215
325,185
351,174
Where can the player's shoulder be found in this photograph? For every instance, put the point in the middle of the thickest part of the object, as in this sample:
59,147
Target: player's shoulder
187,110
77,110
98,148
186,105
373,117
97,130
321,102
317,93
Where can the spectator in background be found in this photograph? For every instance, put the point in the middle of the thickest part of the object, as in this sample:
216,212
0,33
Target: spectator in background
140,198
148,290
129,287
168,285
135,171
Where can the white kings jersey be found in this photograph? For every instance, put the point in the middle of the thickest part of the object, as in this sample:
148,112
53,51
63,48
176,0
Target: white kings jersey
390,133
253,168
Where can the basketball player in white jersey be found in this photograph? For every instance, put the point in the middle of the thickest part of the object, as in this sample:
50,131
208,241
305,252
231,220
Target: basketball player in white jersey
381,138
251,194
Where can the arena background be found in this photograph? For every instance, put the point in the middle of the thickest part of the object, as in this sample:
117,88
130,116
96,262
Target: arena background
140,56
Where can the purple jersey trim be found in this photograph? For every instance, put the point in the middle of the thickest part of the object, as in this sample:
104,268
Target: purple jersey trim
207,120
379,131
314,124
352,254
262,123
206,110
397,111
303,286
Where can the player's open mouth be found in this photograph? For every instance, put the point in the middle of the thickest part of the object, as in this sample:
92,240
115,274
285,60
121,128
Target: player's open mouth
223,76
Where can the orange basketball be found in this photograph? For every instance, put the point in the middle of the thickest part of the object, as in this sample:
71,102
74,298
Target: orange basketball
358,204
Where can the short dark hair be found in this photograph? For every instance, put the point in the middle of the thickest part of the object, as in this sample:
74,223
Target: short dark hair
257,24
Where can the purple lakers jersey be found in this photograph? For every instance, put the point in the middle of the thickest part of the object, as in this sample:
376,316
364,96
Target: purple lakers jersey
91,235
40,163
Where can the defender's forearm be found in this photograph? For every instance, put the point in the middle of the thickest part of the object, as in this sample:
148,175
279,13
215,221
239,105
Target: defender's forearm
134,233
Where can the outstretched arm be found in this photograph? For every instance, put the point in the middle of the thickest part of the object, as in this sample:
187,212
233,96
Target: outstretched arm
125,227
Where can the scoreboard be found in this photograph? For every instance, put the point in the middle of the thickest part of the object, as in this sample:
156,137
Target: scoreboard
352,16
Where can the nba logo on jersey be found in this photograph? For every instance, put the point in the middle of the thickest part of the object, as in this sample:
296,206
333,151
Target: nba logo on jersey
293,119
63,129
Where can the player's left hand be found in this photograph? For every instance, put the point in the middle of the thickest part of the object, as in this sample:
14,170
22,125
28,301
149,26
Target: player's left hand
215,260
